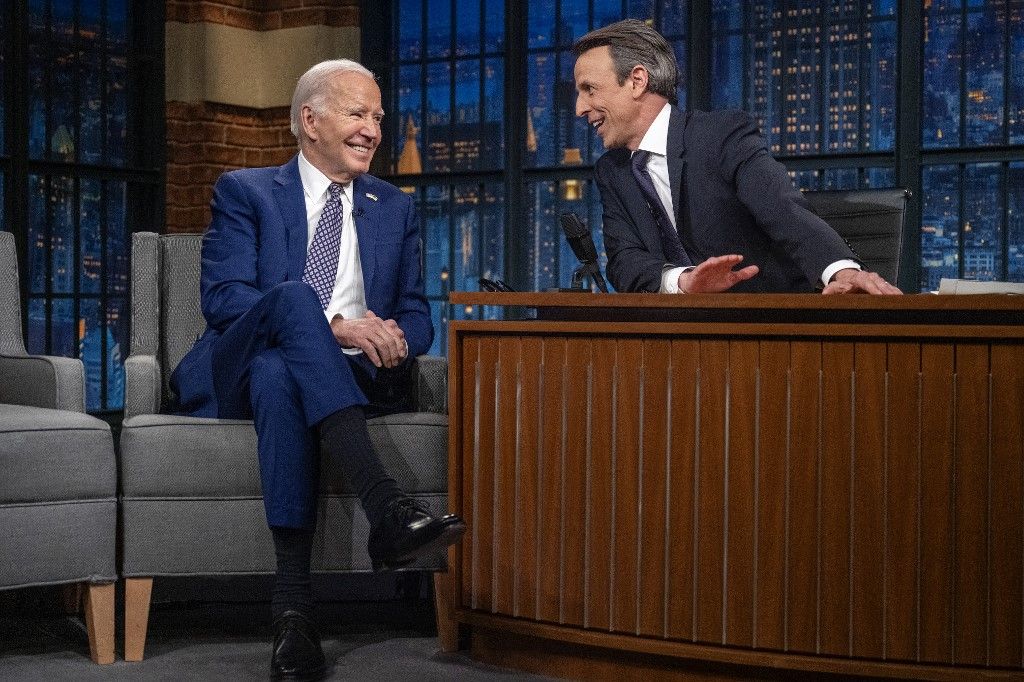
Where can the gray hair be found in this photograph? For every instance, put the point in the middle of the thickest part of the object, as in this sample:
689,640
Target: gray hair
313,85
633,42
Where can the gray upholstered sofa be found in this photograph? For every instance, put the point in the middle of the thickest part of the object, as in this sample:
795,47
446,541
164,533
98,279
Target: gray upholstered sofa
190,487
58,506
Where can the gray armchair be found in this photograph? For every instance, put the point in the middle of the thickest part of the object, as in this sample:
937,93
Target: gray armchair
190,488
58,505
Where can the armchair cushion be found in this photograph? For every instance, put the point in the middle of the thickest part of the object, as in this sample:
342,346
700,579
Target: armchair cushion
43,381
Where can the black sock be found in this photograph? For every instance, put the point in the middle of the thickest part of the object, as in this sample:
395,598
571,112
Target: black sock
293,588
343,437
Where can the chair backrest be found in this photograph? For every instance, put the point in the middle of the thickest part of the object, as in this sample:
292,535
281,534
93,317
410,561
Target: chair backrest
11,341
871,222
166,314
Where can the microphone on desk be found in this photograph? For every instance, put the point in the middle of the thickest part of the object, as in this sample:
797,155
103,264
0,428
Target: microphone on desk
582,244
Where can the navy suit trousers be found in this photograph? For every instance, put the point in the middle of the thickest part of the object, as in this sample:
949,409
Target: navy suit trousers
280,365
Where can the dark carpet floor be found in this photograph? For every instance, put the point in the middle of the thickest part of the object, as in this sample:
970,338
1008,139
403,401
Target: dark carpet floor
195,637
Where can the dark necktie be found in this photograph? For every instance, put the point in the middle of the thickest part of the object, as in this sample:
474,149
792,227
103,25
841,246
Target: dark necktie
670,243
321,269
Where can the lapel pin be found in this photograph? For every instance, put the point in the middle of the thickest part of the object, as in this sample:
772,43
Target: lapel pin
371,197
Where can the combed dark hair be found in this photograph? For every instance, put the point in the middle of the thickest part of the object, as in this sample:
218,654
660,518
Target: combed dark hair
633,42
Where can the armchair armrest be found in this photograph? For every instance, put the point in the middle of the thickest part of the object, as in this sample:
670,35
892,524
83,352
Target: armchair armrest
431,384
142,387
43,381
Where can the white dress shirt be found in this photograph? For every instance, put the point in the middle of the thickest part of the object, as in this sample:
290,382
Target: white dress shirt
349,296
655,141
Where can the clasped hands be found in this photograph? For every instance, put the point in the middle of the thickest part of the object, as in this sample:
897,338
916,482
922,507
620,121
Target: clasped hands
717,274
383,341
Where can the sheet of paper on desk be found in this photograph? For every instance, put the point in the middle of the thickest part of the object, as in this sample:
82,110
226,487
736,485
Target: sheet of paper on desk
967,286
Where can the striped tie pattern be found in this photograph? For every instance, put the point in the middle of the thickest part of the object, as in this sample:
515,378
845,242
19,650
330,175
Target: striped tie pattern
321,269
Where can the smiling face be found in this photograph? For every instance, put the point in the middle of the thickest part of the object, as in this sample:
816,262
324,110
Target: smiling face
611,108
342,133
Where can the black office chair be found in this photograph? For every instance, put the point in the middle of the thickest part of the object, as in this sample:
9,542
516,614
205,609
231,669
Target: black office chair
871,222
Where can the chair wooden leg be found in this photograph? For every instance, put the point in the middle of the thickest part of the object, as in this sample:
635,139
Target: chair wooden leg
137,592
444,608
99,622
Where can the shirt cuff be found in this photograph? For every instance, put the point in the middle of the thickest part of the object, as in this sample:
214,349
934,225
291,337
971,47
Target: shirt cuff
670,280
831,270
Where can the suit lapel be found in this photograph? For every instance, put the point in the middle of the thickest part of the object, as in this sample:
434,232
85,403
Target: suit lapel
365,213
675,151
292,203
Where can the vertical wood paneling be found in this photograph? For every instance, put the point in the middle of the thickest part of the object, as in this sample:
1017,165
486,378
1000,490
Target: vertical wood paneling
506,437
599,507
869,500
770,572
936,541
651,532
679,566
628,358
714,363
802,497
471,390
527,506
837,416
970,626
577,408
739,579
482,481
902,484
550,471
1006,512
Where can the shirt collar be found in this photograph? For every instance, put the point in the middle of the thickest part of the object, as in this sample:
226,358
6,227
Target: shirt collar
315,183
656,138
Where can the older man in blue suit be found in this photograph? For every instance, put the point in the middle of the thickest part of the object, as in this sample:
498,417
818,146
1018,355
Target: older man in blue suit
688,196
313,296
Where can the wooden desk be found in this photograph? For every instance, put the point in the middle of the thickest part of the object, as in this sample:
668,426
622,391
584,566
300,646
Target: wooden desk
790,481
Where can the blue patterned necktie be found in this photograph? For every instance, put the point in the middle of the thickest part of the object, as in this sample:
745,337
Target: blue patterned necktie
321,269
670,242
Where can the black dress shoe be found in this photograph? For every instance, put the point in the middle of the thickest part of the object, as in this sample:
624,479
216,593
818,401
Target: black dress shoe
408,531
297,652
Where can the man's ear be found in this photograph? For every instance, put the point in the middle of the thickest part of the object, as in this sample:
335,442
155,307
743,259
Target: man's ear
308,120
639,78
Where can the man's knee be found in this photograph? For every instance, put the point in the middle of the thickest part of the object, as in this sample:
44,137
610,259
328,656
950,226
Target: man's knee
269,377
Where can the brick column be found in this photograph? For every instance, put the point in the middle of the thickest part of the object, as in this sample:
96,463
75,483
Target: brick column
230,72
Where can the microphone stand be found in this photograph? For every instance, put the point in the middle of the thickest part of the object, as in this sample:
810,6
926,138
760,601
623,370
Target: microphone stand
588,269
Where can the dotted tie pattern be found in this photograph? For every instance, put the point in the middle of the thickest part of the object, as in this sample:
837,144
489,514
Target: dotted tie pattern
321,269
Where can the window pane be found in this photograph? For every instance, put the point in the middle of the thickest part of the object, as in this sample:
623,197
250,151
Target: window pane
117,82
91,342
940,225
410,33
843,86
90,219
879,121
494,30
466,126
1016,74
62,234
38,235
466,268
117,346
574,21
439,28
606,12
63,67
1015,229
118,240
877,178
407,145
573,130
640,9
540,23
35,335
494,115
542,251
90,83
983,221
806,179
467,27
3,99
37,78
984,59
435,211
727,72
492,236
540,137
438,117
839,178
439,316
942,64
64,330
3,211
673,17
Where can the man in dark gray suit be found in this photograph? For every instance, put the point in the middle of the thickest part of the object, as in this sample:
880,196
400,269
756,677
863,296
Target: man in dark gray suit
687,196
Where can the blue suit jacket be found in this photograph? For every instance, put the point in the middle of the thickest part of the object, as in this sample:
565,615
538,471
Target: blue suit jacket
730,196
257,239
